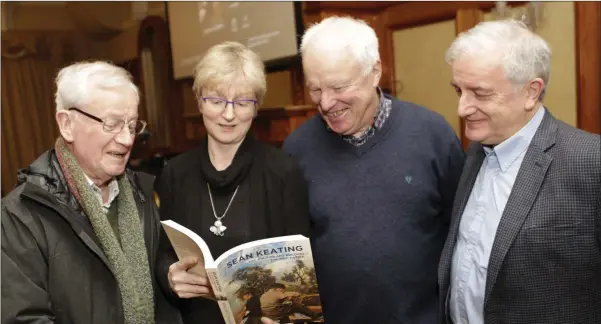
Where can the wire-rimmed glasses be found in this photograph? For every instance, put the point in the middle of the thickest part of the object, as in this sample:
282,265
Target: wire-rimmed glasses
115,126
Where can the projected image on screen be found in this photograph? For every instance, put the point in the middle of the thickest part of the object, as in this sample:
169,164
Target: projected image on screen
268,28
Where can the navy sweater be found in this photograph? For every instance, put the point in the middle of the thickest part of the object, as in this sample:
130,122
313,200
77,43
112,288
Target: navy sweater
380,214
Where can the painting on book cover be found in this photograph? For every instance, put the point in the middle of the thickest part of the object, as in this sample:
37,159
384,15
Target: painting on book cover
276,280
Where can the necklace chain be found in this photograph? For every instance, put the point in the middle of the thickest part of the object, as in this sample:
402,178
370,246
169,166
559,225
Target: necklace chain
228,205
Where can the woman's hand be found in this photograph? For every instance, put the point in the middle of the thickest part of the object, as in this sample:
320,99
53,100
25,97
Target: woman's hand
188,285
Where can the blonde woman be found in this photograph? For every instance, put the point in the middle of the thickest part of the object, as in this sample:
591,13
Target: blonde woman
232,189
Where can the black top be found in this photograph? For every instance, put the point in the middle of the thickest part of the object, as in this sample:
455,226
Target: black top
271,201
237,220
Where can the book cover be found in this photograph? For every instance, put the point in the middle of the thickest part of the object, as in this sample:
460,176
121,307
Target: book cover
273,277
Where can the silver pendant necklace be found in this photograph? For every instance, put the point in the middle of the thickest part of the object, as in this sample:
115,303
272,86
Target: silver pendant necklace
218,228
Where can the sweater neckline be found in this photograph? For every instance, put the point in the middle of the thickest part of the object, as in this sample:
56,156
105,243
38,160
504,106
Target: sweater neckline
378,137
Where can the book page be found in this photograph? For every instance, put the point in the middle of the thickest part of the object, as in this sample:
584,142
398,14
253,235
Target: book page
249,274
257,243
187,243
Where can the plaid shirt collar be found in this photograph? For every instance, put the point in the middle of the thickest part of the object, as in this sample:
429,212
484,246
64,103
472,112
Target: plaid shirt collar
382,113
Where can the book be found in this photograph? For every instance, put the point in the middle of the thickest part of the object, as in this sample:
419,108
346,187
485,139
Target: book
273,277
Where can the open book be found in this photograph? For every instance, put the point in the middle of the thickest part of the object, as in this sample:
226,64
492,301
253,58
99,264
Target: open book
273,277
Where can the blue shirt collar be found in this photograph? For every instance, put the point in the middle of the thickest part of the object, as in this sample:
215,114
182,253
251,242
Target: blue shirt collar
508,151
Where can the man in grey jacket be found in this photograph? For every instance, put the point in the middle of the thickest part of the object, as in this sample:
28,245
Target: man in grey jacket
524,243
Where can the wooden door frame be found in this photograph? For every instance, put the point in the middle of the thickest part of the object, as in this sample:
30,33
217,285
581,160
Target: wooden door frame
588,65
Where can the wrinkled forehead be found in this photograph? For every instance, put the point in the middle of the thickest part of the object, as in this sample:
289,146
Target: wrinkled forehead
323,70
121,103
478,63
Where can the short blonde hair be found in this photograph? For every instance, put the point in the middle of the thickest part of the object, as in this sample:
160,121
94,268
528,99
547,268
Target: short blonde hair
228,63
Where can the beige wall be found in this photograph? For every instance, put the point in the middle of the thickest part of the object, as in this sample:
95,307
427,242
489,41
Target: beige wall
557,27
421,73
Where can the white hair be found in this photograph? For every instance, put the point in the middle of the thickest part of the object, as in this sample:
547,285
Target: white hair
75,82
337,36
521,53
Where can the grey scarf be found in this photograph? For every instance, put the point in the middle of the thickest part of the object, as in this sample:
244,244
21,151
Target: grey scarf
130,263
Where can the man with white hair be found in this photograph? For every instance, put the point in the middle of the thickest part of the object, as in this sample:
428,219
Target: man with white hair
524,244
80,231
382,175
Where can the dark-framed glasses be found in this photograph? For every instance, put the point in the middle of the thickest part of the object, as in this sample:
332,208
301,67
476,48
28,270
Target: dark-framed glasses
115,126
219,104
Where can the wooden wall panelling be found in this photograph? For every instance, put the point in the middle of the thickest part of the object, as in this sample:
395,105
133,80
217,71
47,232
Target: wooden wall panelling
275,124
193,124
190,104
134,68
177,123
8,176
271,125
11,155
300,93
154,35
410,14
588,65
465,20
316,6
386,52
300,114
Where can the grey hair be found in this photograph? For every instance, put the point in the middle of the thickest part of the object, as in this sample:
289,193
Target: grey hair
340,35
521,53
75,82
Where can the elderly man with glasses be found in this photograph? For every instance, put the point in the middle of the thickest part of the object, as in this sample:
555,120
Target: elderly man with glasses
80,231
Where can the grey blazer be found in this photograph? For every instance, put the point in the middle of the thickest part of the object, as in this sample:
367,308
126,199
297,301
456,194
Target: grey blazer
545,263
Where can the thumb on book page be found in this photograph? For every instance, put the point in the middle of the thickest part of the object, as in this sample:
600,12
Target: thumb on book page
186,262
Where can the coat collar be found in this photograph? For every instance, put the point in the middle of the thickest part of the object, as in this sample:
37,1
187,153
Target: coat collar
44,183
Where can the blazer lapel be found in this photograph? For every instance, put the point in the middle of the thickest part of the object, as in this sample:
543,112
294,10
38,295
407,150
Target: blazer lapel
525,190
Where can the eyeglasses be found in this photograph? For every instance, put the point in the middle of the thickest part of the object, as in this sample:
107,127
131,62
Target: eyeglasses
219,104
115,126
